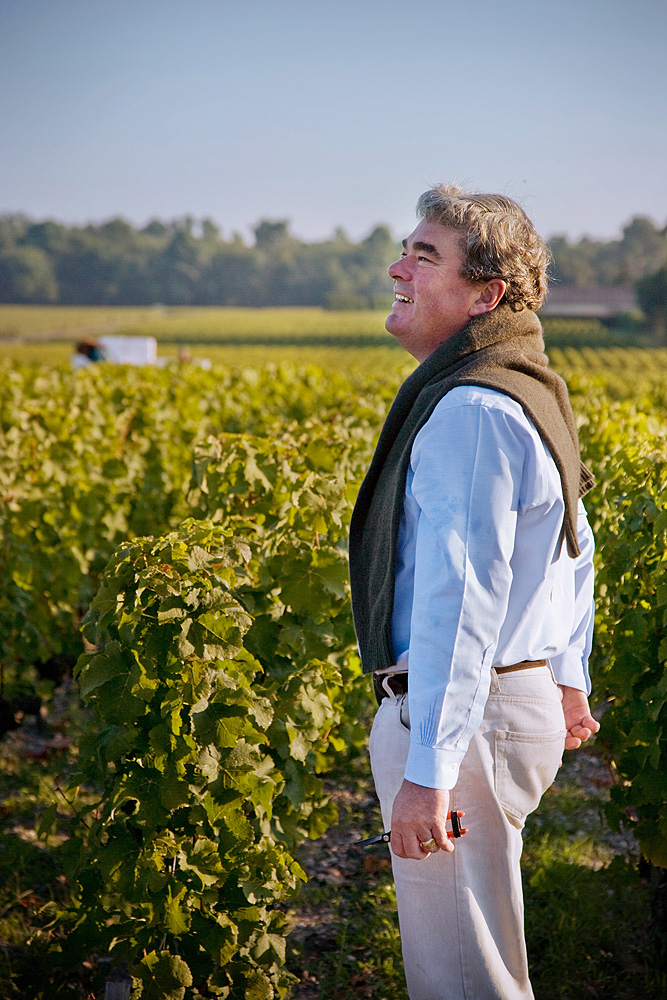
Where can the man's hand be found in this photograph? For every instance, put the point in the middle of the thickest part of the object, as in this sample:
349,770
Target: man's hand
419,814
578,719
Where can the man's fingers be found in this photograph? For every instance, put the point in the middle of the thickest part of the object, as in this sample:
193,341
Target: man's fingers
442,842
397,844
587,724
414,849
407,847
419,815
410,846
581,731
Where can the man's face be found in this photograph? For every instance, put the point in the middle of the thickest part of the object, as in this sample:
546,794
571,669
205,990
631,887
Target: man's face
431,299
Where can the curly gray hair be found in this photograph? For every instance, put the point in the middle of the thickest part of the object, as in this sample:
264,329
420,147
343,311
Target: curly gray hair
498,241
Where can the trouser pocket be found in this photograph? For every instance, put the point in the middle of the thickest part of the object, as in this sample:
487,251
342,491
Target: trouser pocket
526,765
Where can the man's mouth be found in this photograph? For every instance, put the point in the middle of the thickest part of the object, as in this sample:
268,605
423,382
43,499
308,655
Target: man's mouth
402,298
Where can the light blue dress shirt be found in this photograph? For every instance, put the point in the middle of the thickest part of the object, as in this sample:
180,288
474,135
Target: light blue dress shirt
483,576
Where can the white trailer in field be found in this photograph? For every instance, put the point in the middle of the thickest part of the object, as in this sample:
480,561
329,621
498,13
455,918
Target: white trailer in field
125,350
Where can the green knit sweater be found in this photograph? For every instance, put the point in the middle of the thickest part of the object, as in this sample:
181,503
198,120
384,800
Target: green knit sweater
500,350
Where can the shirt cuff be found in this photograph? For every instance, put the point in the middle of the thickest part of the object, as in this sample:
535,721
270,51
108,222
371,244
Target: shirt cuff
431,767
570,671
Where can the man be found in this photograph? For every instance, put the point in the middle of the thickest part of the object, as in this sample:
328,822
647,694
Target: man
471,569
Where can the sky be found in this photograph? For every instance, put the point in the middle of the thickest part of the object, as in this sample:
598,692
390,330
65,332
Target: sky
332,113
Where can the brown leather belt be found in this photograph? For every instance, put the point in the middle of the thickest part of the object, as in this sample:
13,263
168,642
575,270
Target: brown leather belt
399,682
524,665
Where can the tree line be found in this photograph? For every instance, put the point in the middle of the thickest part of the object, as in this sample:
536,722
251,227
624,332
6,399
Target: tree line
181,263
187,263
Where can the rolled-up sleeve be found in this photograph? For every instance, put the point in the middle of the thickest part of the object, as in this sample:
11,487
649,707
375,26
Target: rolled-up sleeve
466,471
571,667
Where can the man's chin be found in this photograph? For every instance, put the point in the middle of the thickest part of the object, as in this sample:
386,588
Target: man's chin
393,324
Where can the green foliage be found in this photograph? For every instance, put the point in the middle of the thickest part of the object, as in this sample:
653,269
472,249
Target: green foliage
628,450
91,458
159,618
84,464
220,655
163,977
292,498
205,771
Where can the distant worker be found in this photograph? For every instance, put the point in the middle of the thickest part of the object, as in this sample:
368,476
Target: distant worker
472,588
87,352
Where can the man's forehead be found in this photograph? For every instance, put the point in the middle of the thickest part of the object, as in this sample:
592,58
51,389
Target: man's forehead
434,234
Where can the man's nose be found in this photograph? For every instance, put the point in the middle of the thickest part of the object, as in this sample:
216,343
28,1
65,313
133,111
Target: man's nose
398,269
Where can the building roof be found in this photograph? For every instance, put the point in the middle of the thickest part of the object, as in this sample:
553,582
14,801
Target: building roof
601,302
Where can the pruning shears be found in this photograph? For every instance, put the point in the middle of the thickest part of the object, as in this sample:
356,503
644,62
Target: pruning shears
383,838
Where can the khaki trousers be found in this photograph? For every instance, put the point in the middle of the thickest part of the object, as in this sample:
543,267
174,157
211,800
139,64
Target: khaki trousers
461,914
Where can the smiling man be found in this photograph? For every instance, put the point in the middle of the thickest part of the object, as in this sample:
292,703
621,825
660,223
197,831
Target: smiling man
472,589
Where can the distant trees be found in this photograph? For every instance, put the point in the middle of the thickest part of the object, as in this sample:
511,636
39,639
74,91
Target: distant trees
640,252
26,275
184,262
652,295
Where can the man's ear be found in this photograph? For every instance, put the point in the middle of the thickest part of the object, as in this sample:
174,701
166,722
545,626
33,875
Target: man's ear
489,296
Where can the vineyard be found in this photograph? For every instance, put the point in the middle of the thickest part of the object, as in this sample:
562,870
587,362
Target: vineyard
181,701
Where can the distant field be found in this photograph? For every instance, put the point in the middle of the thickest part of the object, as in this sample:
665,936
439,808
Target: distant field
46,334
222,326
336,358
224,336
177,325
